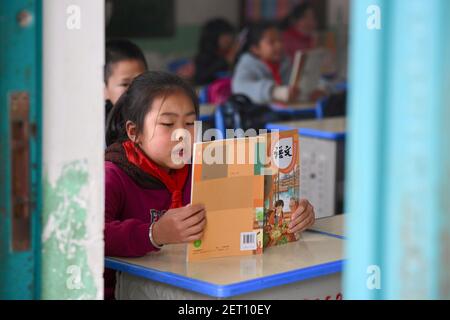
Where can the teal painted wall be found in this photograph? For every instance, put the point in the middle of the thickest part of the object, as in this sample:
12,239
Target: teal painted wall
399,160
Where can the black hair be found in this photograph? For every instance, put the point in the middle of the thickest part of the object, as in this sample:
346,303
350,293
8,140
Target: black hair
297,13
210,34
136,102
117,50
254,33
279,203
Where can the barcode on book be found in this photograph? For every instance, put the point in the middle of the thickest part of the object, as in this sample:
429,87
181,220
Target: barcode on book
248,241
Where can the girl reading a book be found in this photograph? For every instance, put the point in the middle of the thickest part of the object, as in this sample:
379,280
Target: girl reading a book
147,183
299,29
147,175
262,72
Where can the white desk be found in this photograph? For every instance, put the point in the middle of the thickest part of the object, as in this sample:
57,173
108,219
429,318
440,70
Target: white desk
333,226
307,269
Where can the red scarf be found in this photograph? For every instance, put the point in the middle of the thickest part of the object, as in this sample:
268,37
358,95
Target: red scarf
174,182
305,41
275,69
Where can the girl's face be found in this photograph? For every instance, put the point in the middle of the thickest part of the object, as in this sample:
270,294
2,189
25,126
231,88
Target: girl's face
225,43
123,72
167,135
270,47
307,24
278,210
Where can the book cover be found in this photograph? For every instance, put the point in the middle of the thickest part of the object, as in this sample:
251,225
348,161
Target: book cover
281,186
297,67
228,179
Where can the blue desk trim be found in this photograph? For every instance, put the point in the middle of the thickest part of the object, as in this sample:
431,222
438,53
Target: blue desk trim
206,117
293,111
328,234
308,132
225,291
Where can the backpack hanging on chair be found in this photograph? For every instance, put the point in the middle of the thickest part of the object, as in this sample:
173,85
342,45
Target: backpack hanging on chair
239,112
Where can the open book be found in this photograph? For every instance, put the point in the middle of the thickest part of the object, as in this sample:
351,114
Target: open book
250,187
297,66
307,70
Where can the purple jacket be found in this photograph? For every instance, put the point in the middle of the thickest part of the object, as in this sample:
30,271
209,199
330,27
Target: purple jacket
129,211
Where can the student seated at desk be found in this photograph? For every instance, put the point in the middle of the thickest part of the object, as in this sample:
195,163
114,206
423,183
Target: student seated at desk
298,29
123,62
216,51
263,71
147,175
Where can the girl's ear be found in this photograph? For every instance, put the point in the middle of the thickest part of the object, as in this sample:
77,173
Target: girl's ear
131,129
106,92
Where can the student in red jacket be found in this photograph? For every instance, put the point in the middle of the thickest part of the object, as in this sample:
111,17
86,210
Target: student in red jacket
147,181
299,28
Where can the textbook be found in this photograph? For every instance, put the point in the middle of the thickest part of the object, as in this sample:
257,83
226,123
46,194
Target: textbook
249,187
281,186
311,66
297,67
231,186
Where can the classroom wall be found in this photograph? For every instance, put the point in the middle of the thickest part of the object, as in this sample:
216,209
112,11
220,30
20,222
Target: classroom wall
73,140
338,10
189,15
338,22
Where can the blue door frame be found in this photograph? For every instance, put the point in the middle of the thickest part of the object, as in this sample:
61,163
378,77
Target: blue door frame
20,130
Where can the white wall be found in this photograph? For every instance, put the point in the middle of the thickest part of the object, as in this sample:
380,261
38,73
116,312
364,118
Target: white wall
196,12
73,142
334,8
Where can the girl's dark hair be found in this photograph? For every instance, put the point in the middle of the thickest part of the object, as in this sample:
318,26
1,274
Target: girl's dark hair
210,34
279,203
297,13
117,50
252,35
136,102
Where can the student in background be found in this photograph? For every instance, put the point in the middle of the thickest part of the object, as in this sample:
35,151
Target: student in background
298,29
216,51
262,72
123,62
147,180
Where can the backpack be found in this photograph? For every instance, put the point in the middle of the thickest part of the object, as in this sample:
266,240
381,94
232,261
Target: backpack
239,112
219,91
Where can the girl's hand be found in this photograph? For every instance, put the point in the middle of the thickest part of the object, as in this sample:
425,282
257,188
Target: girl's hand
285,94
302,218
180,225
293,93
